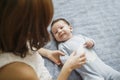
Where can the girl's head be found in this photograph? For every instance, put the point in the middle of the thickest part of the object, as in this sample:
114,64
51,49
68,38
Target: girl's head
61,30
23,21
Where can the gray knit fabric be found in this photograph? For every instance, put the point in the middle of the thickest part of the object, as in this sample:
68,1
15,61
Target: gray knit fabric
97,19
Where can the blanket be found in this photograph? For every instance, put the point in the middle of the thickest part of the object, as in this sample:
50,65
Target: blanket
96,19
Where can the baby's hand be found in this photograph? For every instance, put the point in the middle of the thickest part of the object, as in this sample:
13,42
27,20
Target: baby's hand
89,44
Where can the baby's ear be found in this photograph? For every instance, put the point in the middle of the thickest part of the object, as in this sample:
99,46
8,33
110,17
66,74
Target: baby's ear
71,29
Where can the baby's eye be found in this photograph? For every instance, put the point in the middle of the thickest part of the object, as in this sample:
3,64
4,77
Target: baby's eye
61,27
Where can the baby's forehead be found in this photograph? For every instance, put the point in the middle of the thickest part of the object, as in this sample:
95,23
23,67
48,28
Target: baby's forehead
60,22
63,21
56,26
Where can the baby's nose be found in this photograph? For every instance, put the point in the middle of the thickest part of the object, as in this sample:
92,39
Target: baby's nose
59,30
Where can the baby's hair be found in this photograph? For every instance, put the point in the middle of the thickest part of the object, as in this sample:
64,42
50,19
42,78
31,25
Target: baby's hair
56,20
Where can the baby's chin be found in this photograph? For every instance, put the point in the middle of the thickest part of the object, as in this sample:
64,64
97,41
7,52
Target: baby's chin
63,39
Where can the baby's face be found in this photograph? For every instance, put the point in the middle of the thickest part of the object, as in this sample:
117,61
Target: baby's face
61,31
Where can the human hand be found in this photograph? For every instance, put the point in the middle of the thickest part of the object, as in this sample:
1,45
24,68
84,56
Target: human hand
55,56
75,61
89,44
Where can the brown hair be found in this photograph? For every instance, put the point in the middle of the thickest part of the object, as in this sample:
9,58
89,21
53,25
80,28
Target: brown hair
22,21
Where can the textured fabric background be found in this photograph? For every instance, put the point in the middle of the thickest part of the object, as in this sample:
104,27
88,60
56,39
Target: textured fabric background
97,19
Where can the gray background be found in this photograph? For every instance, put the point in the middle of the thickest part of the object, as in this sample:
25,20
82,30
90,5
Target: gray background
97,19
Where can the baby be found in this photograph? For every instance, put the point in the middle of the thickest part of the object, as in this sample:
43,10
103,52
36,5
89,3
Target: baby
95,68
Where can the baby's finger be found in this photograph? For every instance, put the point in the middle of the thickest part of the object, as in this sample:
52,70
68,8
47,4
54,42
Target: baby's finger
85,45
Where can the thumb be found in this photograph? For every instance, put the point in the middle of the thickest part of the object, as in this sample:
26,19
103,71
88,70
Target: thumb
61,53
85,45
56,61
